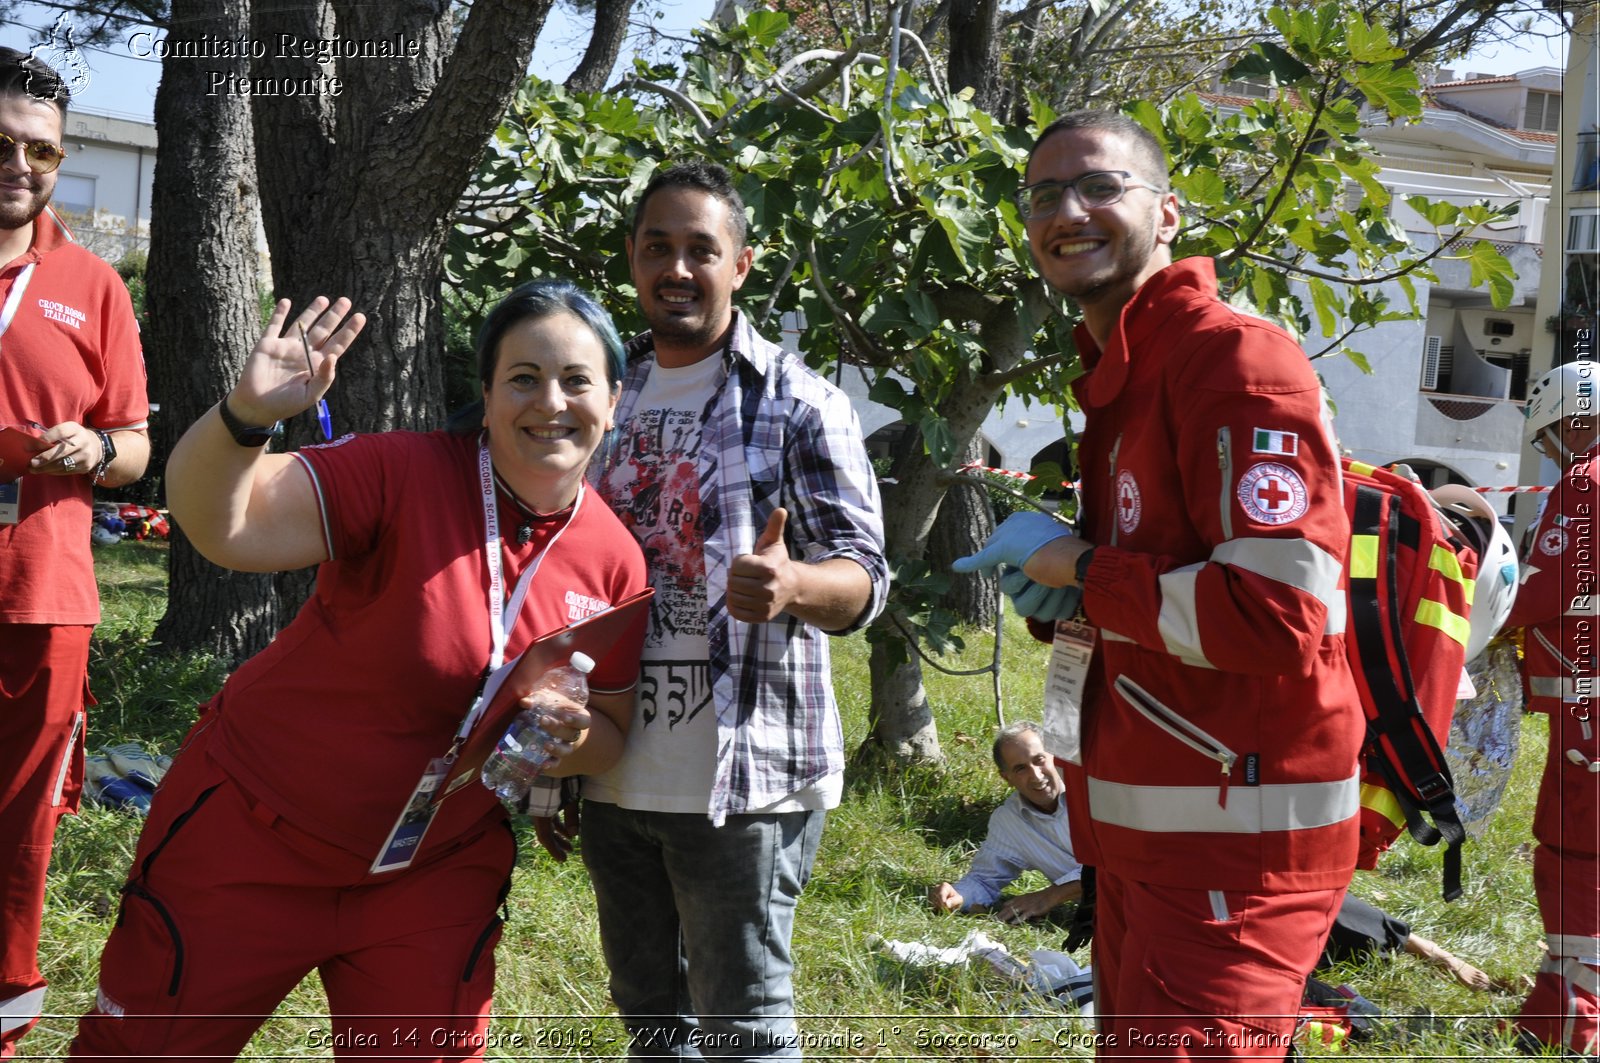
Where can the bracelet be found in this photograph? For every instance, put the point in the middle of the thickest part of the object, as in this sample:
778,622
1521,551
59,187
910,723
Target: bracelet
108,454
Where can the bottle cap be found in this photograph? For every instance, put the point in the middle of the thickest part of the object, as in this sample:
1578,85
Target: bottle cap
583,663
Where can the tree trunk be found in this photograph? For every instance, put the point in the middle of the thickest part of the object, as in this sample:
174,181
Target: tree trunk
902,724
201,297
359,190
963,525
974,50
605,44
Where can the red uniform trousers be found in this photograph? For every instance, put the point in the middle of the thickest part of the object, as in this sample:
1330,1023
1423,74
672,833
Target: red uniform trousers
43,691
228,907
1192,974
1563,1007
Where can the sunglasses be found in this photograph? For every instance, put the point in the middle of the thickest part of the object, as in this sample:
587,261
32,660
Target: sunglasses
1099,189
42,156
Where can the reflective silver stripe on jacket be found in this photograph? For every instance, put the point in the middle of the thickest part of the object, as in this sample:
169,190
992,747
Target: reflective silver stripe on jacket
1297,563
1549,647
1574,946
1563,686
18,1011
1250,810
1585,978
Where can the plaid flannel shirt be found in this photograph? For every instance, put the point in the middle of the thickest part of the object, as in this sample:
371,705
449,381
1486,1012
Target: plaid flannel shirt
775,434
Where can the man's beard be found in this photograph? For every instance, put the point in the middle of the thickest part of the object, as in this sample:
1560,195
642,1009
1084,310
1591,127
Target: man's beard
17,215
697,332
688,333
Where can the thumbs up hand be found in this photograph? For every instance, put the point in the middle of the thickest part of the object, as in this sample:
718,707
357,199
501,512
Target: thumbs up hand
762,583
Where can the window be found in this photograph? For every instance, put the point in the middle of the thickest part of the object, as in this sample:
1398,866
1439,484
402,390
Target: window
1586,172
1583,231
1253,88
1580,282
74,194
1544,112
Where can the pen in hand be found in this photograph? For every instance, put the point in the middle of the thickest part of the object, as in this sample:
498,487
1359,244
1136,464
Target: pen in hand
324,418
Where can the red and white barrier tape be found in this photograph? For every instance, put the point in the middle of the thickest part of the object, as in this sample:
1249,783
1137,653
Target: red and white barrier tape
1010,474
1520,488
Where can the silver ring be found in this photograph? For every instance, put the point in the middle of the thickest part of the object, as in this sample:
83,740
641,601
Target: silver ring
69,462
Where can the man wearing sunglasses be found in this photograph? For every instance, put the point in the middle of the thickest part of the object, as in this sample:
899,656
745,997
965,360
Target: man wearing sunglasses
1212,730
71,381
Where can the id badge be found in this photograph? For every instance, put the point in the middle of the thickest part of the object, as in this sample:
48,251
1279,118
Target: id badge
11,502
405,838
1063,689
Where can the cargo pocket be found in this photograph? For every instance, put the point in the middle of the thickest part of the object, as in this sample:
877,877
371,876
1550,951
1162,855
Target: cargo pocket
69,773
1180,728
149,933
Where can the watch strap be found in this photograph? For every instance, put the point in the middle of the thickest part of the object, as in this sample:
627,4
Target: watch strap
1083,565
247,435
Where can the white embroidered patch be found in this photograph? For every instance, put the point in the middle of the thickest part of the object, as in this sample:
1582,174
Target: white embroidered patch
1272,494
1553,541
1128,505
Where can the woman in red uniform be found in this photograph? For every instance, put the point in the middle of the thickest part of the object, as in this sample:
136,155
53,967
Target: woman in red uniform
269,850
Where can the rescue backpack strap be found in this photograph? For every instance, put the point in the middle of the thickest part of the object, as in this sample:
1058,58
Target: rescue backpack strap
1399,738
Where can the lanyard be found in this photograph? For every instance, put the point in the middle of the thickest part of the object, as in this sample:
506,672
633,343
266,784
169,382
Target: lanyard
14,300
501,618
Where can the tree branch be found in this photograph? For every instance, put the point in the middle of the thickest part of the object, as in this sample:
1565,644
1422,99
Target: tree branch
1339,342
853,331
1294,164
782,282
1345,278
683,103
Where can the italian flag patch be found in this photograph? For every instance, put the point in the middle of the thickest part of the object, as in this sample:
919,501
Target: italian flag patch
1268,441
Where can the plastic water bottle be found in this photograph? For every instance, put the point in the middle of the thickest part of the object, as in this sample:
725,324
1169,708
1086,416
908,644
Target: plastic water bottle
520,756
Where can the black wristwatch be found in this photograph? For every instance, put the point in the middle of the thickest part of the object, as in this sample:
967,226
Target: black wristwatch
247,435
1083,565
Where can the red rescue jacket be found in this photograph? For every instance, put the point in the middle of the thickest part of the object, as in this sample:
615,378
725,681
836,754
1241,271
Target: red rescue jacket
1221,722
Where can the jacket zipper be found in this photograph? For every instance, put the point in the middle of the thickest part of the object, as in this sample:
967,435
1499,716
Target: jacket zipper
1181,729
1225,463
137,889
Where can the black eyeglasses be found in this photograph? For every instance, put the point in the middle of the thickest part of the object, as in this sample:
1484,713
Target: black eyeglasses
42,156
1101,188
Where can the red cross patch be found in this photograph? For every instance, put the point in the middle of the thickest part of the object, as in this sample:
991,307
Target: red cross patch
1128,505
1553,541
1272,494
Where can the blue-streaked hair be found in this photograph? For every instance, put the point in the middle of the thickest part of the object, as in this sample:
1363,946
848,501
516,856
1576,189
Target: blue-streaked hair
535,301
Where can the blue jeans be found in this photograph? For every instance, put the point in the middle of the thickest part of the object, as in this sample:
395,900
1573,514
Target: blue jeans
696,921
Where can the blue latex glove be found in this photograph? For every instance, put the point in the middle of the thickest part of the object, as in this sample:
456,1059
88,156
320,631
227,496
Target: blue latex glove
1037,601
1018,538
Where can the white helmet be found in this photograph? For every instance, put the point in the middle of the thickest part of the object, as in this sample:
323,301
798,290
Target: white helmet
1568,390
1496,587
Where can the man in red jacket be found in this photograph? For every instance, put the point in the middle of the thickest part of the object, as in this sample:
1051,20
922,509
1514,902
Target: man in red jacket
71,366
1557,604
1214,786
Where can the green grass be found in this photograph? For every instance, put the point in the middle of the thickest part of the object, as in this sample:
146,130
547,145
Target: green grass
895,833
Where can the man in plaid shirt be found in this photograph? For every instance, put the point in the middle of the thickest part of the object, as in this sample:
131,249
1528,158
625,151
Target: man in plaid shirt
743,475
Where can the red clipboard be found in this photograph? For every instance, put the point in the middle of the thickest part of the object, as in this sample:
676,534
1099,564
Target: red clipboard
18,445
593,635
